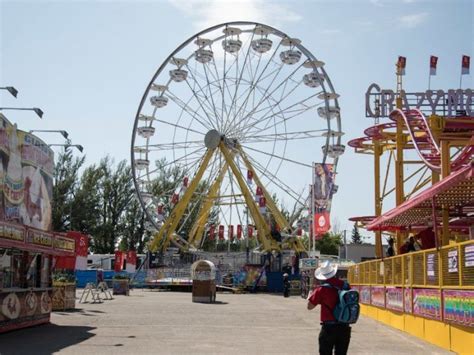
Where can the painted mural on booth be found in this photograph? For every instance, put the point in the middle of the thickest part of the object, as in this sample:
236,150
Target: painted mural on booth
26,178
377,296
394,298
427,303
459,307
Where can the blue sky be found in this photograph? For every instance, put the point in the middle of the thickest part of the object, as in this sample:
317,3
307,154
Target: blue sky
87,63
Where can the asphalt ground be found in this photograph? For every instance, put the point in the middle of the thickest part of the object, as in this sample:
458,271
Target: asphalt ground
161,322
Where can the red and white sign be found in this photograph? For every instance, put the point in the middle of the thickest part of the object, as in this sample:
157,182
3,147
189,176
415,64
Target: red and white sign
131,258
119,259
321,224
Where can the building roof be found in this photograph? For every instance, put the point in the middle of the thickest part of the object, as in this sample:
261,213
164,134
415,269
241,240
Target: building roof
455,191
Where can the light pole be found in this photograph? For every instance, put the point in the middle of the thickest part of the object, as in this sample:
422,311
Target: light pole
78,146
63,133
11,90
38,111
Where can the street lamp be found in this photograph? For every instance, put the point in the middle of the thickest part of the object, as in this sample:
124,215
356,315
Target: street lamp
78,146
11,90
64,133
38,111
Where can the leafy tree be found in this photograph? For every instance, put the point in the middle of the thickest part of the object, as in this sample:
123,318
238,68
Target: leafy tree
329,244
356,238
66,179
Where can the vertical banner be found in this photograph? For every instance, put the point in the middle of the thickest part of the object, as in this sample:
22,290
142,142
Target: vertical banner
131,261
322,191
401,64
119,258
466,61
433,64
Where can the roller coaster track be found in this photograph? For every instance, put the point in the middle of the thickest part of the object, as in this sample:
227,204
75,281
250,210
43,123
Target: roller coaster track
424,142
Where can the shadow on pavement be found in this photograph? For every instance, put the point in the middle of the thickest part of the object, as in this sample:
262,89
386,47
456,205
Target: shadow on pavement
43,339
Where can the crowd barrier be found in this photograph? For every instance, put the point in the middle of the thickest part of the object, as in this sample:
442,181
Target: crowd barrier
428,293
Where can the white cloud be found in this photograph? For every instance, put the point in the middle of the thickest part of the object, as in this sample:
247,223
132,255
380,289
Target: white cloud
204,13
412,21
328,31
376,2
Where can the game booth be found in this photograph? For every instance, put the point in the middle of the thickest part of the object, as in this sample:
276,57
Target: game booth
28,247
27,257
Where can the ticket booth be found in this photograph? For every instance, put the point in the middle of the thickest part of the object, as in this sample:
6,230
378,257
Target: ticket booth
203,274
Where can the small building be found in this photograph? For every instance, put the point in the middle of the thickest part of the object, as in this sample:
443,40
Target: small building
358,252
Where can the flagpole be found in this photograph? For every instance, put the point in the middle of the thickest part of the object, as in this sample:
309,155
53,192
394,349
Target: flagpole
460,81
313,235
429,80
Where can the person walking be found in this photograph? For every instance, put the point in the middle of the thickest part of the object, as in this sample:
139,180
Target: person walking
333,335
286,285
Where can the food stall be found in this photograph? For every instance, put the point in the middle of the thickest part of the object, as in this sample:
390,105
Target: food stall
27,256
28,247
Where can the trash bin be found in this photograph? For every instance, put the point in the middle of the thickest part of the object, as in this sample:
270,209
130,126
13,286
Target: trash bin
203,273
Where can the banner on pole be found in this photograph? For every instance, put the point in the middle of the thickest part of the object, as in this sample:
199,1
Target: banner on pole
401,64
466,61
321,195
433,64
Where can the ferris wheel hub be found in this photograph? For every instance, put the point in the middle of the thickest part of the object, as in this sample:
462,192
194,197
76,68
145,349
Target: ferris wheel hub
212,139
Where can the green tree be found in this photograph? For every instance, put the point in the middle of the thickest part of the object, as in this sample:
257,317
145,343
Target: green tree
356,237
329,244
65,185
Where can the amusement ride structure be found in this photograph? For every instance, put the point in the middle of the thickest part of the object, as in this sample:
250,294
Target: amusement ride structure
234,115
432,131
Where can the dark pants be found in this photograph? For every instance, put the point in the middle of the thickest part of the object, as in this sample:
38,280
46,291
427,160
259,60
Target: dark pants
334,336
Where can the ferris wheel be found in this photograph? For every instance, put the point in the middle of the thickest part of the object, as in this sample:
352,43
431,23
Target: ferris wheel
236,114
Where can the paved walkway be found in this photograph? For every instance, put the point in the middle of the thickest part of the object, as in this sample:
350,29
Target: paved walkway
155,322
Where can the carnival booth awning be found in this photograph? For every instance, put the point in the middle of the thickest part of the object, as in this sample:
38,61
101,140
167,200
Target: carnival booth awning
455,192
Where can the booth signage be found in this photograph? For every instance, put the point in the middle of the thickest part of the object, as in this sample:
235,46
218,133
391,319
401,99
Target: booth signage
394,298
459,307
40,238
430,266
407,300
63,243
12,233
377,296
427,303
469,256
364,293
453,261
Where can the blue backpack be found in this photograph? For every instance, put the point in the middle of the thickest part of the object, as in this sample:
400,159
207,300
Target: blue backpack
347,308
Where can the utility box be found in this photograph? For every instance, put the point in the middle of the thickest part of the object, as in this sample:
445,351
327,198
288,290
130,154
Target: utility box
203,274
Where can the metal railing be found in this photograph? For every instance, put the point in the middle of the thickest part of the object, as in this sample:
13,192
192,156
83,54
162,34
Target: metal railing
451,266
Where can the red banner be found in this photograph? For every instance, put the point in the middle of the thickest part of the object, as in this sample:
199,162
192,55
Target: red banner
132,257
239,231
231,232
119,259
250,231
212,232
322,224
221,232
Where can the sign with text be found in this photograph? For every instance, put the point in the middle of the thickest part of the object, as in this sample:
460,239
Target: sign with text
377,296
427,303
459,307
364,292
394,298
380,102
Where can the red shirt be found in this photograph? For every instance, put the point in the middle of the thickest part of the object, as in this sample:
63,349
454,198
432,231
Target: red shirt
327,297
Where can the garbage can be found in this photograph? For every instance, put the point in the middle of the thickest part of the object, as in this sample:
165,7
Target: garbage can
203,274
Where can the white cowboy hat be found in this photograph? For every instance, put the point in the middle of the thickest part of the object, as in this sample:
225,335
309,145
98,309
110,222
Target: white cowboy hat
325,271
